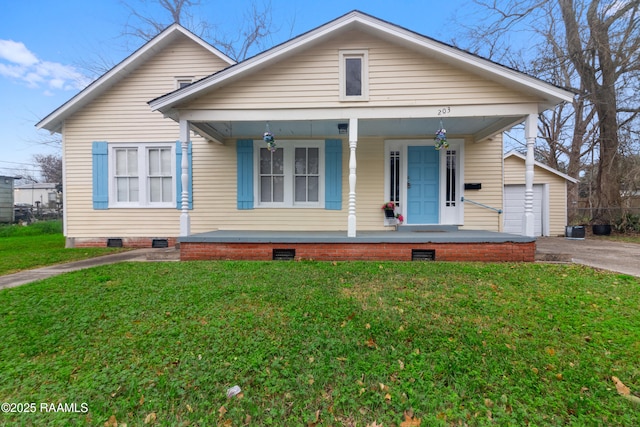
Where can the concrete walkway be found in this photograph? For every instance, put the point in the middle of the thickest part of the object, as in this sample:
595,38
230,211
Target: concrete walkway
607,255
28,276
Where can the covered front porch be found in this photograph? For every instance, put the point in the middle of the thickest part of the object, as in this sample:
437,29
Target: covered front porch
409,243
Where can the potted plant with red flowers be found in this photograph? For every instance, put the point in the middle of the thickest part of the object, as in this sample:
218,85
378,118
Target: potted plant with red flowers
389,209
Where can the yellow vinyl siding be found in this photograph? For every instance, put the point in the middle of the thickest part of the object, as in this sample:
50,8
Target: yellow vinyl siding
483,164
214,189
514,169
215,198
397,76
123,115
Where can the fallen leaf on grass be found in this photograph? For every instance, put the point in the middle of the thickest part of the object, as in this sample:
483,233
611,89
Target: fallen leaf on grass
375,424
111,422
222,411
410,420
317,420
150,418
624,391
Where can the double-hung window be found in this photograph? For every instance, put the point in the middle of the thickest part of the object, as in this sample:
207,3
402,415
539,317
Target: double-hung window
290,176
142,175
354,75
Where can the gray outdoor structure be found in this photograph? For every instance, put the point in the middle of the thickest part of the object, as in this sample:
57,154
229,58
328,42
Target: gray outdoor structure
6,199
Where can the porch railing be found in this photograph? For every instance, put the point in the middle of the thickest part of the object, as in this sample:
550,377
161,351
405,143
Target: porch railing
499,211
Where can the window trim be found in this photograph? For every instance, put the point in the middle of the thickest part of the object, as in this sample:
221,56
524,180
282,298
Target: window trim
143,175
289,174
183,80
363,55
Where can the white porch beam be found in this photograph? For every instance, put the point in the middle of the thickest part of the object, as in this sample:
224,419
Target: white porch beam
353,144
504,110
185,220
530,131
208,132
497,127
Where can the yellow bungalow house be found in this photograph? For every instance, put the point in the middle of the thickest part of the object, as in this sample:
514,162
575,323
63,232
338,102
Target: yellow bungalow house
175,145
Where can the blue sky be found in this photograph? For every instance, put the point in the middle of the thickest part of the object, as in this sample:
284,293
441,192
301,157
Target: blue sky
44,44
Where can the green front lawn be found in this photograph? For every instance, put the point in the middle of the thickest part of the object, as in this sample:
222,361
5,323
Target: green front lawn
314,343
39,245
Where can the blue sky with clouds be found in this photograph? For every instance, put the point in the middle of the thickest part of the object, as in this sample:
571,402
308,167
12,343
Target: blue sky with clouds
45,46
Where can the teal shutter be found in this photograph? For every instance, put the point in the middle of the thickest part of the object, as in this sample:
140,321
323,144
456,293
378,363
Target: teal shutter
244,149
100,164
333,174
179,175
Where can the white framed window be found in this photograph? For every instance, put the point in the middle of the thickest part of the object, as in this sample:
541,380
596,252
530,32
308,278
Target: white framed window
354,75
142,175
183,81
290,176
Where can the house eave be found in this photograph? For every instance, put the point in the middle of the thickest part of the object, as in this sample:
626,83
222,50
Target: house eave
514,153
549,94
53,122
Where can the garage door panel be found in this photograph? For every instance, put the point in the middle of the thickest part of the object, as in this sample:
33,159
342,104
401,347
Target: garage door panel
514,208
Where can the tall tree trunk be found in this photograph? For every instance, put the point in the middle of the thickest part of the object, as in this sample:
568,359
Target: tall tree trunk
594,61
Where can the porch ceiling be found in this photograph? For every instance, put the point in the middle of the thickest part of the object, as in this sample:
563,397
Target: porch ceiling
477,127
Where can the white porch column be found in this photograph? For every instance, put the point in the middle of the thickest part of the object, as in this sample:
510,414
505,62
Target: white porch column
185,220
353,143
530,132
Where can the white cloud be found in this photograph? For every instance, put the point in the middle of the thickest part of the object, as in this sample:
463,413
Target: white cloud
19,63
17,53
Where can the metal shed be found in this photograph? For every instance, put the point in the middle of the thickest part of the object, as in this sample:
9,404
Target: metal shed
6,199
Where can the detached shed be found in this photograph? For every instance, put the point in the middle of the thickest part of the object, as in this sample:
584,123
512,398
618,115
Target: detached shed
6,199
549,197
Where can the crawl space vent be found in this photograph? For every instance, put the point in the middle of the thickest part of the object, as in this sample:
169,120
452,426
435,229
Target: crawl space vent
423,255
114,243
284,254
159,243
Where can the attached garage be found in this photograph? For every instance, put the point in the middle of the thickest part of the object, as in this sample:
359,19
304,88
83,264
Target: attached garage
549,197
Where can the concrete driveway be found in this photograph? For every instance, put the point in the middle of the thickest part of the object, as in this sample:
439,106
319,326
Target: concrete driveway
607,255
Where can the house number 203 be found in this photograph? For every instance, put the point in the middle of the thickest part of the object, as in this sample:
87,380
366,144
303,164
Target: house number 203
444,111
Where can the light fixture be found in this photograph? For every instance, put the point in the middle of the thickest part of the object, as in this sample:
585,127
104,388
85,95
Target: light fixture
343,128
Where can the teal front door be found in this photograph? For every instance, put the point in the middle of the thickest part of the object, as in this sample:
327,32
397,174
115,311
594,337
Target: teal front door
423,172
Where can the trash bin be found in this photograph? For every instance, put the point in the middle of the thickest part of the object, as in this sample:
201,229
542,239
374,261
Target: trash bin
575,232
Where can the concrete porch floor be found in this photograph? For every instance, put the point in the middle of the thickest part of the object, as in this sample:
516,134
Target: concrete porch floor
403,235
445,244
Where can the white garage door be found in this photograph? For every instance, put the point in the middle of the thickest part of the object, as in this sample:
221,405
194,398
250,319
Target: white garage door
514,208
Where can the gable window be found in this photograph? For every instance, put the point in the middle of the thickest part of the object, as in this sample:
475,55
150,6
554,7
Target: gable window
290,176
142,175
183,81
354,75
